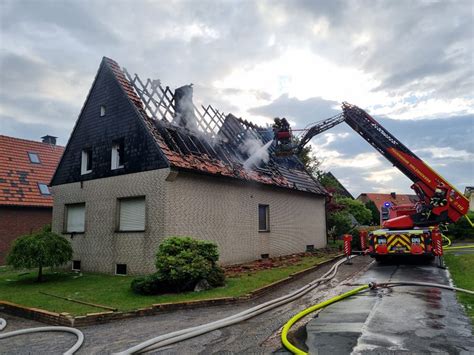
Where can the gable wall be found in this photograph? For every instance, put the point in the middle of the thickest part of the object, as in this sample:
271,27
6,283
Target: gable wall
92,131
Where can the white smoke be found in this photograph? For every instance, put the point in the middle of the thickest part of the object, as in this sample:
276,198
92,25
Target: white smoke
257,151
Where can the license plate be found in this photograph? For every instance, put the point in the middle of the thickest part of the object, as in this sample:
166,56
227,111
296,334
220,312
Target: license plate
399,249
415,240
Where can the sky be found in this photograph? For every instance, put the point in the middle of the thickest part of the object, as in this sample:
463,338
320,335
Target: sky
408,63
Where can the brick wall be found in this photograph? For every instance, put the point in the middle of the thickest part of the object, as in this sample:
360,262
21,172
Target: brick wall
221,210
18,221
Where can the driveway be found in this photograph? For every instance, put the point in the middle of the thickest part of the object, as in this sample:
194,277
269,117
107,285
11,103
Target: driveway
401,319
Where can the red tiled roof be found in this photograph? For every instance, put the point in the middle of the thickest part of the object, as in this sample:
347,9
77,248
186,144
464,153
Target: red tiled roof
380,199
19,177
202,162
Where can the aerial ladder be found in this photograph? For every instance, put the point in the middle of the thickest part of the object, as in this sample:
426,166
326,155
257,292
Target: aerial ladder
413,230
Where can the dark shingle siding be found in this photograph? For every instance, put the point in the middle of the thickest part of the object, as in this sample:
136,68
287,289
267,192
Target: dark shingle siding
98,133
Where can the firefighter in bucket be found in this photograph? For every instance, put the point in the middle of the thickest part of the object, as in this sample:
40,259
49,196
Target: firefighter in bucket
283,138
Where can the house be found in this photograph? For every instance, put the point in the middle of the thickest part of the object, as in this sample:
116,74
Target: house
393,198
144,163
469,193
26,204
335,186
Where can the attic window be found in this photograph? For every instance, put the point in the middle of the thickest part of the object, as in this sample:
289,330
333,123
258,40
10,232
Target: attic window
86,161
44,189
102,111
34,158
117,155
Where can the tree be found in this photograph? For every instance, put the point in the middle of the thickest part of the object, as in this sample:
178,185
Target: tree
310,162
375,212
38,250
356,208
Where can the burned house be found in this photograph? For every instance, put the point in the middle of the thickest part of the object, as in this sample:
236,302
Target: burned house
144,163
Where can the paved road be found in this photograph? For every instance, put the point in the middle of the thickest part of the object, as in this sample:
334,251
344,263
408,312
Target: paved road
402,319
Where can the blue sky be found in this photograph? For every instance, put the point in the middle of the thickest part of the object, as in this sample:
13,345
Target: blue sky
409,63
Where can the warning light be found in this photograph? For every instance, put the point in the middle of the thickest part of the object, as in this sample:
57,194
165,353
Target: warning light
387,204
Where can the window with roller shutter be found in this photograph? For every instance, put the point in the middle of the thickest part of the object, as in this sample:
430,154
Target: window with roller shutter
75,218
131,217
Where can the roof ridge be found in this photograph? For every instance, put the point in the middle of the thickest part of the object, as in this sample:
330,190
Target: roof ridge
31,141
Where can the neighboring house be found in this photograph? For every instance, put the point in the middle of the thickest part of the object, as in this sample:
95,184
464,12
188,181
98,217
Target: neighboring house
469,193
339,188
393,198
26,168
143,163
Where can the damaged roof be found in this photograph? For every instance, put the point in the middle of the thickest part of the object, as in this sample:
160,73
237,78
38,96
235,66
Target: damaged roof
204,140
26,168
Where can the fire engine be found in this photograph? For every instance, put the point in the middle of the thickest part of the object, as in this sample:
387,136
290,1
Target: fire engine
413,229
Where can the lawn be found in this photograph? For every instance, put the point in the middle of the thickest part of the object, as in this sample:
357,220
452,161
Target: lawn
461,267
114,291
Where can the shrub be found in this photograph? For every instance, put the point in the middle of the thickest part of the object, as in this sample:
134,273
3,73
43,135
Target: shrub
461,229
39,250
181,262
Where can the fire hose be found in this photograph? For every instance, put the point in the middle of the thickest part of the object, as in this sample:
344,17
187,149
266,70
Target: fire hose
298,316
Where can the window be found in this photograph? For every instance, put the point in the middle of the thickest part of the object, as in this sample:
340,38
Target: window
132,214
76,265
34,158
117,155
86,162
44,189
121,269
102,111
75,218
263,225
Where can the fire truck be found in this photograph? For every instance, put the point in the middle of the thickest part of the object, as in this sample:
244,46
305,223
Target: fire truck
411,229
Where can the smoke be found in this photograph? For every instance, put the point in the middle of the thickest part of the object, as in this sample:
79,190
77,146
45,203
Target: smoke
257,151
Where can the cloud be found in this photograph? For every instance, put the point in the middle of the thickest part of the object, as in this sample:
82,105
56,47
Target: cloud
258,60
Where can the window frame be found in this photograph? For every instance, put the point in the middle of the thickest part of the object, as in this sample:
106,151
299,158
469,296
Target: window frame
118,210
66,211
126,269
117,154
86,159
72,265
267,217
47,187
30,154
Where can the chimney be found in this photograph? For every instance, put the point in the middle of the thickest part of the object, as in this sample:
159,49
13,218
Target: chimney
184,108
393,195
49,139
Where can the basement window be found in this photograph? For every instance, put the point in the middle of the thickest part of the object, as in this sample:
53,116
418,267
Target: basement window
86,161
120,269
263,218
75,218
44,189
34,158
118,151
102,111
132,214
76,265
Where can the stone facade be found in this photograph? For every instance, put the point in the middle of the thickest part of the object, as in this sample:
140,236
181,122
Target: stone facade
221,210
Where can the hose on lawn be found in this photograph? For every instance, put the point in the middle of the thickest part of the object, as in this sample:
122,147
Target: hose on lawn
191,332
449,247
76,332
298,316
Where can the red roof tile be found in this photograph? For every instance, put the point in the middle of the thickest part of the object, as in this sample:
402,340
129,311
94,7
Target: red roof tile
19,177
380,199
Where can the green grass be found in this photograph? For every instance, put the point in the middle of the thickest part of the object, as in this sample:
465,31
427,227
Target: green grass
461,267
114,291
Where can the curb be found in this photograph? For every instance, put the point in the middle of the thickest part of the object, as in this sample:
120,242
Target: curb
66,319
